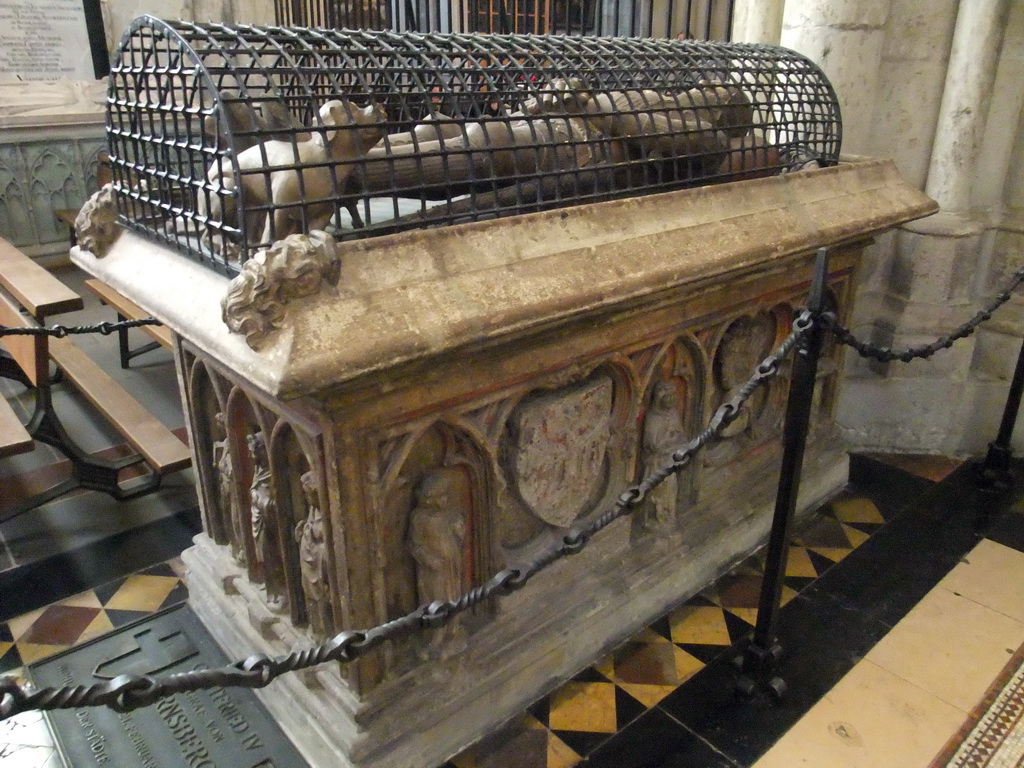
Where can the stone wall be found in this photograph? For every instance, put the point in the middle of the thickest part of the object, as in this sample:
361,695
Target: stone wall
938,87
51,135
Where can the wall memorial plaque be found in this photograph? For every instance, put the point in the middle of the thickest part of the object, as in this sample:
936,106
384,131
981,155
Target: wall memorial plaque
223,727
52,40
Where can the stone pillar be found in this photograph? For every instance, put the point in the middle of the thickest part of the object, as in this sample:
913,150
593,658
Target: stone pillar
757,21
965,101
845,38
930,272
999,201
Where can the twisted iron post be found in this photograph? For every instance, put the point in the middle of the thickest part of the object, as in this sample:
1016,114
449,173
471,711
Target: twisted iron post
760,657
995,471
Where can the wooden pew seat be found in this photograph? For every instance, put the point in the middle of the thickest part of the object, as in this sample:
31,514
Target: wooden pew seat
162,449
14,438
130,310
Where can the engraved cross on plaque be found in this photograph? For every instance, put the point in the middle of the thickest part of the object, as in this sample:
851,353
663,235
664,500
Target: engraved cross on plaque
147,652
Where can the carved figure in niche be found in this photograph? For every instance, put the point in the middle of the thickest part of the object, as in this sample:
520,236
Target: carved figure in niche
437,534
230,514
743,346
663,433
310,535
290,269
263,513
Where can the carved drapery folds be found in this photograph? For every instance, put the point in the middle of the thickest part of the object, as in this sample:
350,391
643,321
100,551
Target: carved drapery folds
293,268
96,225
436,489
264,522
311,537
663,432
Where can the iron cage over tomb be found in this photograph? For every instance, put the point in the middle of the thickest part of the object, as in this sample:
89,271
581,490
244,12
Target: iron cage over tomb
225,139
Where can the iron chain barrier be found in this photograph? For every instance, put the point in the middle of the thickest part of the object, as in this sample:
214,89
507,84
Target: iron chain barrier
63,331
924,351
128,692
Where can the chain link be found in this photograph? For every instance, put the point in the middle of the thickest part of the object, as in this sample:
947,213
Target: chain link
128,692
923,351
63,331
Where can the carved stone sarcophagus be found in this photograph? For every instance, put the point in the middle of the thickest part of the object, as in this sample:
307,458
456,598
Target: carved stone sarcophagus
379,422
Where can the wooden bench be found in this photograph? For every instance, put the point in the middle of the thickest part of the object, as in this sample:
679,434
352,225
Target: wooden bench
39,293
14,438
128,310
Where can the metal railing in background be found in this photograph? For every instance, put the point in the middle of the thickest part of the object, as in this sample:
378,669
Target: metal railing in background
688,19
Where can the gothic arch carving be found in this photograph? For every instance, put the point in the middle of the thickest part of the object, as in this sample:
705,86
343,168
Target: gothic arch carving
444,454
738,345
249,429
212,453
671,414
313,582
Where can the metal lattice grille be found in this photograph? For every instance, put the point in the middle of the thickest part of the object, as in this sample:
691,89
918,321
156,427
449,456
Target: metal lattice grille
688,19
225,139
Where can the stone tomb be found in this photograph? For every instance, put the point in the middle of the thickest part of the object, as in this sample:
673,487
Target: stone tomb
393,421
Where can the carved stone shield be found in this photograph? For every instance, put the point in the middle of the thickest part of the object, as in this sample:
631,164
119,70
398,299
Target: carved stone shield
559,457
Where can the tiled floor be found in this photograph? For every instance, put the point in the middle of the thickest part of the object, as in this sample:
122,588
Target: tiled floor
861,695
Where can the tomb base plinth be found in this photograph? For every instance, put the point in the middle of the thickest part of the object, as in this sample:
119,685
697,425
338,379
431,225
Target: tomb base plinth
397,419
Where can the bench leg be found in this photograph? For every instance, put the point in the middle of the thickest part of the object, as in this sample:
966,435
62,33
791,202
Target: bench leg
87,471
122,344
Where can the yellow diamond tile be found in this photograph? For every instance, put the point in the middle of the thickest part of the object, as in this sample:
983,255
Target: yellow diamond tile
142,593
101,625
583,707
687,665
33,652
82,600
835,554
704,625
4,648
787,595
19,625
648,695
856,537
857,510
560,755
749,615
799,565
526,720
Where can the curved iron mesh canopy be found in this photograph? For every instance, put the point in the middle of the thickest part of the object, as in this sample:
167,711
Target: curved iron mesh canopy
224,139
